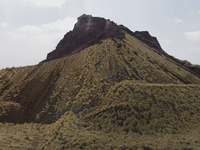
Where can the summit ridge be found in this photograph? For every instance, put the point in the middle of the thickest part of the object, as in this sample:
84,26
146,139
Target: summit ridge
90,30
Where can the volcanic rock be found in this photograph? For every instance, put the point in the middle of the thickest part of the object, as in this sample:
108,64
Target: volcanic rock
91,30
87,31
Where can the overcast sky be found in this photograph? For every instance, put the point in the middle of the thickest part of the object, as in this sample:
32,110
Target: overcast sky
29,29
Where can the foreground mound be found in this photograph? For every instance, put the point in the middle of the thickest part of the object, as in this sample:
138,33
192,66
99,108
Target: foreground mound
70,132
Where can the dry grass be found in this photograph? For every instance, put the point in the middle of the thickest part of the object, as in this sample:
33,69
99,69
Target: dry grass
69,132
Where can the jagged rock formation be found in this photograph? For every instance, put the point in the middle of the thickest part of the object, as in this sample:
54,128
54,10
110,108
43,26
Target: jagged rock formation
104,87
87,31
91,30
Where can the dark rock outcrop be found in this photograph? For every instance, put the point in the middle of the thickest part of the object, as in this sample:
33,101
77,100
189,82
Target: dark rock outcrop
145,37
87,31
91,30
194,68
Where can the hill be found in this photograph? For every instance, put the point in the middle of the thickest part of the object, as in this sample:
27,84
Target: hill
103,87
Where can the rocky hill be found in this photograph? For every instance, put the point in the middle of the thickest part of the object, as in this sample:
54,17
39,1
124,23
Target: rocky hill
103,87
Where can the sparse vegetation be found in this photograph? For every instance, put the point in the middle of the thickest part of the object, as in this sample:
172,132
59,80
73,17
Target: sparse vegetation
27,138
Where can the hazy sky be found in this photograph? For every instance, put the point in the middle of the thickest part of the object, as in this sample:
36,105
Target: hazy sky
29,29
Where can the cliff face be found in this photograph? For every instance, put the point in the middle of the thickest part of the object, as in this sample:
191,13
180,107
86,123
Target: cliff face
91,30
87,31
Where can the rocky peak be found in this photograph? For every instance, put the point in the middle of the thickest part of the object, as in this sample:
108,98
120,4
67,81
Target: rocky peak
91,30
87,31
93,25
87,22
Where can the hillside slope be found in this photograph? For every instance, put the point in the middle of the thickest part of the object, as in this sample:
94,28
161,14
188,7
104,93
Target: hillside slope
117,93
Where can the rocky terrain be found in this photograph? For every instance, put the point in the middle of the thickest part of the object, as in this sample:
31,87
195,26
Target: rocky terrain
103,87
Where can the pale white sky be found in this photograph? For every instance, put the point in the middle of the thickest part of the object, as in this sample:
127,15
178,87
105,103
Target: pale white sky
29,29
